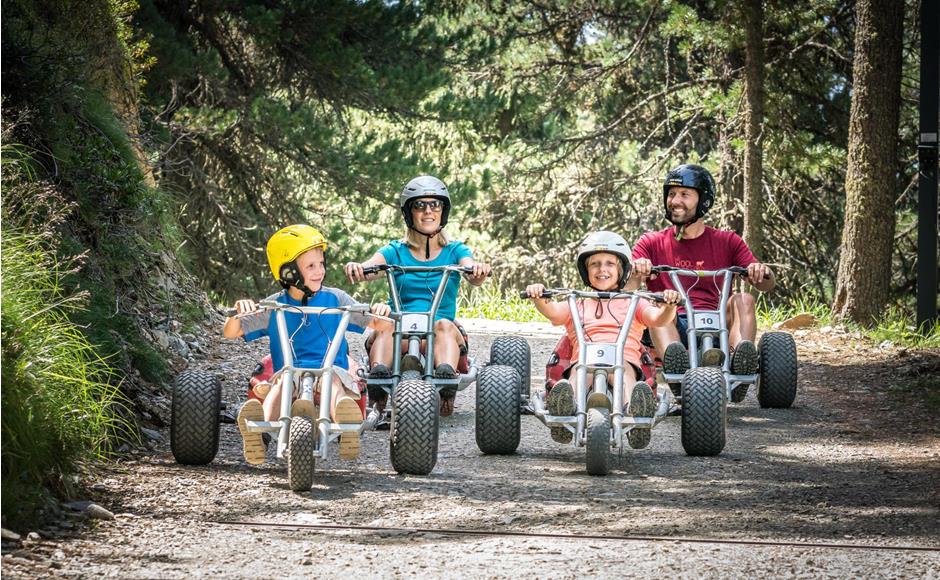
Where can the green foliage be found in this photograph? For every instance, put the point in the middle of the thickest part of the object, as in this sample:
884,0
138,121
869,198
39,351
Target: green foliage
60,403
489,302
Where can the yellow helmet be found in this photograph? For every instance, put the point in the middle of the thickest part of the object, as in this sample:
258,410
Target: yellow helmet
286,245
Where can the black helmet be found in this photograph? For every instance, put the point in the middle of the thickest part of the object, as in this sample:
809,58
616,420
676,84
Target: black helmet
696,177
607,243
423,186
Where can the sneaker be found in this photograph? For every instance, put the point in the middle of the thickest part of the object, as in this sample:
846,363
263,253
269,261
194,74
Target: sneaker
642,404
560,401
303,408
252,443
675,359
380,371
445,371
739,393
713,357
744,358
348,411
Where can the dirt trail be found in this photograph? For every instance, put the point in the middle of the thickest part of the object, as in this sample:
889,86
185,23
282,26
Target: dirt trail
855,461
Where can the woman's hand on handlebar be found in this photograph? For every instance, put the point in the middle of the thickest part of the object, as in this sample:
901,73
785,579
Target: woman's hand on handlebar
480,272
534,291
354,272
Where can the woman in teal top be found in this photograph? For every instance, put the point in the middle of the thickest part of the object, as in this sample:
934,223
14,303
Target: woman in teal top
425,205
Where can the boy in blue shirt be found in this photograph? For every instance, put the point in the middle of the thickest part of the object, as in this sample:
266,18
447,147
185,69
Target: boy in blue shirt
296,258
425,206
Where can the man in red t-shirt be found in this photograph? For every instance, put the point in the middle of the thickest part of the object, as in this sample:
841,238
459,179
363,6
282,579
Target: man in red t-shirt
688,193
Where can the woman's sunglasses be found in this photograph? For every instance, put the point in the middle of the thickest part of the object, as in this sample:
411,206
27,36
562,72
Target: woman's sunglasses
434,205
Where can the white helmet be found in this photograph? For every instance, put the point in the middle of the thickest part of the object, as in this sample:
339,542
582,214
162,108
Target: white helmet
607,243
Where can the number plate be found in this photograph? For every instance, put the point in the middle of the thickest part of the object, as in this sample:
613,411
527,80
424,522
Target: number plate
706,321
601,355
414,323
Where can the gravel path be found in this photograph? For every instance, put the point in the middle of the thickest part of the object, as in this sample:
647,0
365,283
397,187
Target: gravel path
852,463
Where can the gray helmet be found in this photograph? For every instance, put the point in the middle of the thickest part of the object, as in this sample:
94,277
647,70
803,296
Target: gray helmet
423,186
608,243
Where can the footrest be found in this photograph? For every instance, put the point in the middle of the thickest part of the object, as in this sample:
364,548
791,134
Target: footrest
263,426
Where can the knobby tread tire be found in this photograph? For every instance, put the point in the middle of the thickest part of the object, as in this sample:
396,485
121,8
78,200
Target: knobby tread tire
194,423
498,425
514,351
597,446
776,386
704,411
414,430
301,453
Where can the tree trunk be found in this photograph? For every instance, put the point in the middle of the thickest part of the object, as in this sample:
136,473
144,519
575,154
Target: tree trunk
754,126
870,182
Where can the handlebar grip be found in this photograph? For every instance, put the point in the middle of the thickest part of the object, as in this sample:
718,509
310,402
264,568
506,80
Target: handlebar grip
371,269
545,294
229,312
661,269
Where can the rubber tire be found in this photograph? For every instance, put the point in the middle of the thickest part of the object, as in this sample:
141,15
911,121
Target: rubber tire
597,444
411,375
413,433
514,351
776,384
704,411
301,457
194,418
498,424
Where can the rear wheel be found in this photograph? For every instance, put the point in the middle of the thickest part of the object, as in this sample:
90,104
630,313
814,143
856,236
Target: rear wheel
776,387
194,423
498,425
513,351
414,428
598,441
704,411
301,458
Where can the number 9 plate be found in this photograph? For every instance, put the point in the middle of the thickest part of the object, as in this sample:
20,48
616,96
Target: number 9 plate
601,355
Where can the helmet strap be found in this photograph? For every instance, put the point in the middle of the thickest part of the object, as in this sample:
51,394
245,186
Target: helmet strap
427,241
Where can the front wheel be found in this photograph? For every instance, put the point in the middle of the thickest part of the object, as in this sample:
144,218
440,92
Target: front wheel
704,411
598,441
514,351
776,387
301,453
414,429
498,425
194,421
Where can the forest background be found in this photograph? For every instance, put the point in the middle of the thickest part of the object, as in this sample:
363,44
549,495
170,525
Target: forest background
149,150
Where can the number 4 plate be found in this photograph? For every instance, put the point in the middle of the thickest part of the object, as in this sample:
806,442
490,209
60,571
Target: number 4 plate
414,323
706,321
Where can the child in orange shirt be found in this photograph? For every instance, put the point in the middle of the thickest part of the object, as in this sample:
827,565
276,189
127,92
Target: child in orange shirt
604,265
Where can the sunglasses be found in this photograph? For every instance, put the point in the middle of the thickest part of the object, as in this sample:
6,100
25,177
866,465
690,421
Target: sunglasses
434,205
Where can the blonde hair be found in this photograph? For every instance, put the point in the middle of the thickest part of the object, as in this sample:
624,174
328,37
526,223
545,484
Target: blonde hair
416,241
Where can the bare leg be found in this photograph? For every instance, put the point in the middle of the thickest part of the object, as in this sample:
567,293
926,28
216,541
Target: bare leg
381,349
663,336
742,320
447,342
272,402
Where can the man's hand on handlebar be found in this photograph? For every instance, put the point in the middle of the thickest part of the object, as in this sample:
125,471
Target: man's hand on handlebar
642,269
757,273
